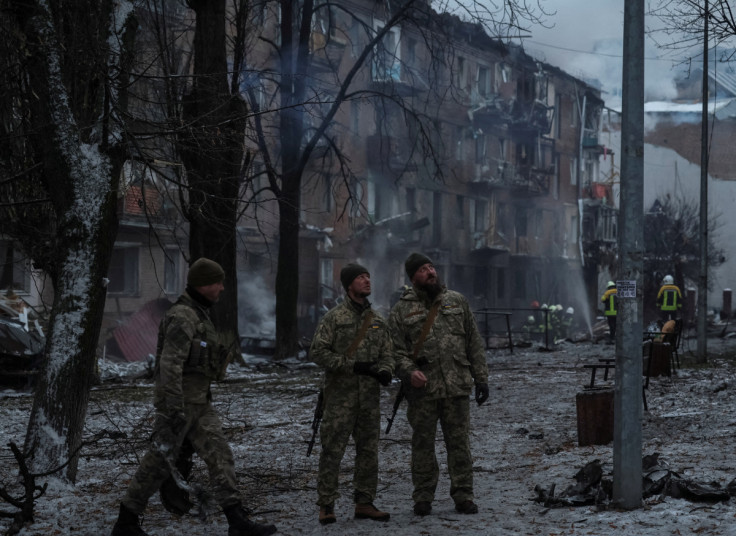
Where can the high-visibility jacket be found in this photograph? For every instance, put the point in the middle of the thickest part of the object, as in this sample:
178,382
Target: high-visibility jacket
669,298
610,300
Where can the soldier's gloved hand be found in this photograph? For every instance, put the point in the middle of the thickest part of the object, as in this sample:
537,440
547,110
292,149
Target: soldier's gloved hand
177,421
481,393
365,368
167,437
383,377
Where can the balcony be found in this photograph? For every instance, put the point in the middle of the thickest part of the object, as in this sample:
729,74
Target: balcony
492,174
140,202
590,141
523,180
531,180
531,117
488,243
490,110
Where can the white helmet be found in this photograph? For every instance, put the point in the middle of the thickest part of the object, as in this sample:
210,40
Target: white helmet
544,306
570,311
668,280
610,284
558,307
531,319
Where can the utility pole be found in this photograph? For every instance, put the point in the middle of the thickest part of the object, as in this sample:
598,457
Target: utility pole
702,356
627,435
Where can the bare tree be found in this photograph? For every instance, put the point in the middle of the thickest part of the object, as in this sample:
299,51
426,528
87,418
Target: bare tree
63,146
672,245
295,127
211,147
682,25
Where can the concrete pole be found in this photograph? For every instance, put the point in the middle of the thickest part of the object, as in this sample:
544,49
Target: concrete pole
702,355
627,436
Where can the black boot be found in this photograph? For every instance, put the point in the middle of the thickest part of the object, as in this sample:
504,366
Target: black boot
240,525
127,524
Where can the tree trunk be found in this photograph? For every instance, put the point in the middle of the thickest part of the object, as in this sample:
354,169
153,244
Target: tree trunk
211,148
81,180
294,65
287,272
61,395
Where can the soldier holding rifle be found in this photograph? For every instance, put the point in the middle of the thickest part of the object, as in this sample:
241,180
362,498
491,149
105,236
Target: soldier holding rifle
352,344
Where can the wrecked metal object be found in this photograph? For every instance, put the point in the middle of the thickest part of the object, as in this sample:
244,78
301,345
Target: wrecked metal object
658,479
589,488
258,345
21,351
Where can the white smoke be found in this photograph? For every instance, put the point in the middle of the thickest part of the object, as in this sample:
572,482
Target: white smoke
257,306
585,39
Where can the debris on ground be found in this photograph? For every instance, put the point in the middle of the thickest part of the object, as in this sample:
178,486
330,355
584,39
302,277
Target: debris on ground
659,479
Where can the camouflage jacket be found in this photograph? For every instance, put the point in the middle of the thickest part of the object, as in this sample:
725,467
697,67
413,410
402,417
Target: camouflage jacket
452,356
187,357
334,335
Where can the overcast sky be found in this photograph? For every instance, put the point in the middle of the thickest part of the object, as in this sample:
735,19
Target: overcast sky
586,39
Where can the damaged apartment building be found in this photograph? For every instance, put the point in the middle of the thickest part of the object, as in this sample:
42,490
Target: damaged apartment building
479,156
446,141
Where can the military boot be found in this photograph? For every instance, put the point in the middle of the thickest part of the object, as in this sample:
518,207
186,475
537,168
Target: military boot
127,524
368,511
240,525
327,514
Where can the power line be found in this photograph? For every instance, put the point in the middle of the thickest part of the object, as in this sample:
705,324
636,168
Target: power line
618,56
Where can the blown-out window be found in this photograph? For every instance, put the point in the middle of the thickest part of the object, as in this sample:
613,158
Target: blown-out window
15,268
123,272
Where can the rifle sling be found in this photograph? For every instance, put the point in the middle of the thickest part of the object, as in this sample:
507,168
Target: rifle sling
425,330
360,335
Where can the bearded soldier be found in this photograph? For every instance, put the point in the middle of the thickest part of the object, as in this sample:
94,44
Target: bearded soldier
439,355
352,344
188,358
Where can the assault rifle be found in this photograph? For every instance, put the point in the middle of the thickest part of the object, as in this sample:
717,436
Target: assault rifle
397,402
316,420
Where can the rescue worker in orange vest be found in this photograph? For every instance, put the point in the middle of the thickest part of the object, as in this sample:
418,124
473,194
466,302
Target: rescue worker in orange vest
669,299
610,310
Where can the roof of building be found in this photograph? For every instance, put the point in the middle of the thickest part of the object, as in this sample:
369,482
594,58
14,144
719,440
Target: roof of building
721,108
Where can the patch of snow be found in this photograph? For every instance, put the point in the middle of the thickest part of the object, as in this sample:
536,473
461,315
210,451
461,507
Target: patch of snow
523,436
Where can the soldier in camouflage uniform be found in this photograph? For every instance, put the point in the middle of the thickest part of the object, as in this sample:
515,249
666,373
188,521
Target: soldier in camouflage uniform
188,358
352,344
438,375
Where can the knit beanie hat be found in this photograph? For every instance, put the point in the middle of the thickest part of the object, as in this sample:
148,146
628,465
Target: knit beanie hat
204,272
350,272
414,262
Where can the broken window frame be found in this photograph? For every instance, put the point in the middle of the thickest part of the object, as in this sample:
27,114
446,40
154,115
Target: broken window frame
386,62
20,269
172,283
483,81
124,270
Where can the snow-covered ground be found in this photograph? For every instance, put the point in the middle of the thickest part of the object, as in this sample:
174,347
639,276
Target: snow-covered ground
525,435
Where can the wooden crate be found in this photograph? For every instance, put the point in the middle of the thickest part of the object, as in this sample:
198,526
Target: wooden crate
595,416
661,360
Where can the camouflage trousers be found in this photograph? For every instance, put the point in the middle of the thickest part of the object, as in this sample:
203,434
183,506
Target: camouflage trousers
204,431
453,415
344,417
